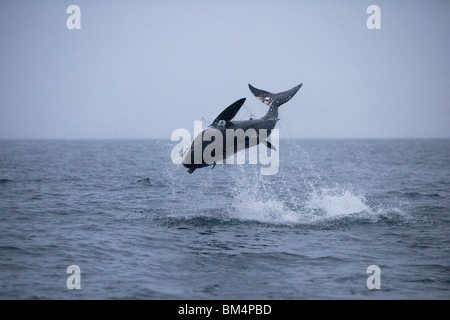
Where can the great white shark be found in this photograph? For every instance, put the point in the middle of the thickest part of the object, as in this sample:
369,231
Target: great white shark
224,121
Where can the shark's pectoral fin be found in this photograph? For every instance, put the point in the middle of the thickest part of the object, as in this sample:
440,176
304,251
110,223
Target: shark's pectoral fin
268,145
214,164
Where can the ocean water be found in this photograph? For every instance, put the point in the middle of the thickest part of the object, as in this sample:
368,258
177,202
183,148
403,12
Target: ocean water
140,227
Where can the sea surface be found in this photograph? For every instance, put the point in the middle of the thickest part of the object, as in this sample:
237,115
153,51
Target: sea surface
140,227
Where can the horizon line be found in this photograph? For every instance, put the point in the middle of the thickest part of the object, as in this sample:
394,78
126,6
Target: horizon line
286,138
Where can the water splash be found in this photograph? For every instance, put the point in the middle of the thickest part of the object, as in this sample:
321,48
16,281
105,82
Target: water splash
300,194
311,208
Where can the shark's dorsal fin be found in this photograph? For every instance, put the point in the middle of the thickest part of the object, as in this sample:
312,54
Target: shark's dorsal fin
230,112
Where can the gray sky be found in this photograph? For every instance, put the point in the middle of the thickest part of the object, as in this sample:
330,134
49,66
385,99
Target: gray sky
140,69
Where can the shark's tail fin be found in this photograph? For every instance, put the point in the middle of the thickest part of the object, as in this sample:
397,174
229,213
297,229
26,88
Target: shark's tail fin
274,99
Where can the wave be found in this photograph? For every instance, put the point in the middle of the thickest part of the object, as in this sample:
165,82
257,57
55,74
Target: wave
153,182
413,195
